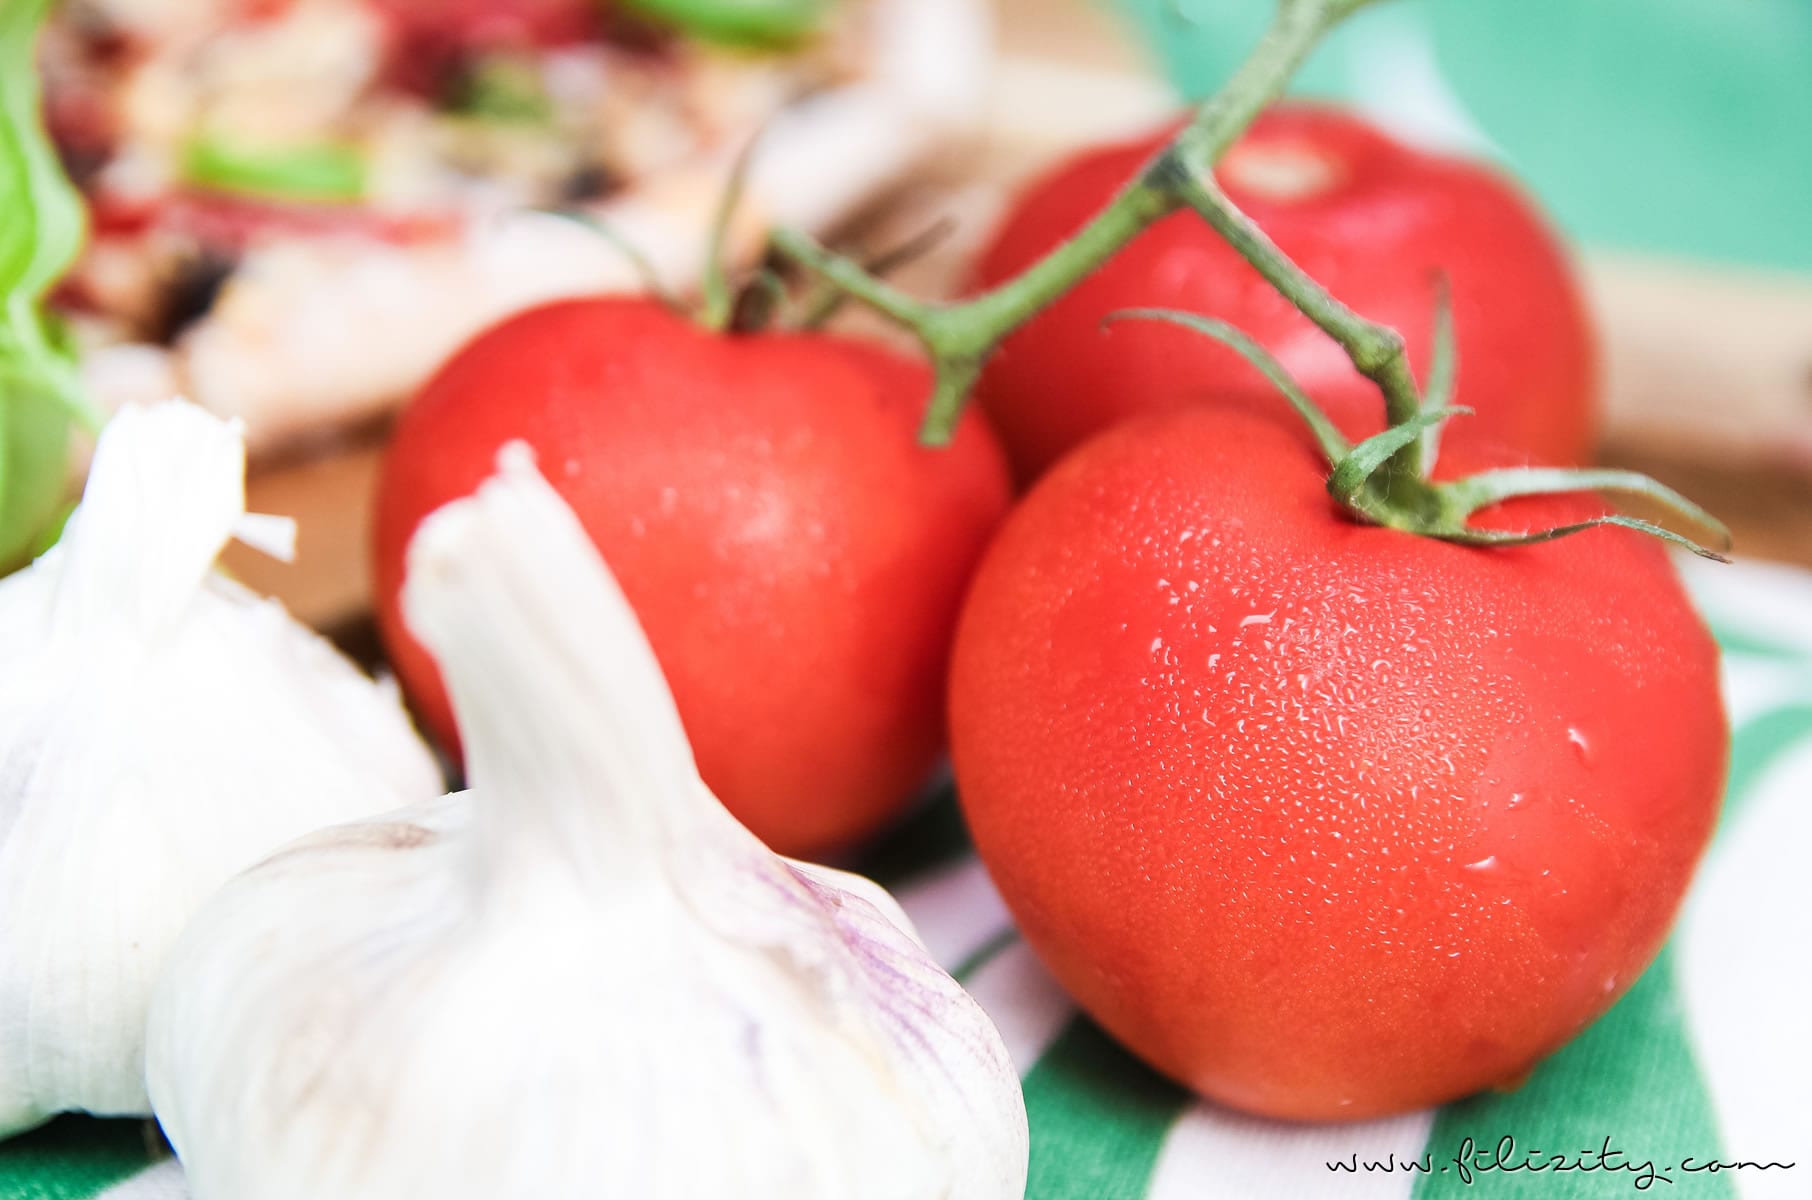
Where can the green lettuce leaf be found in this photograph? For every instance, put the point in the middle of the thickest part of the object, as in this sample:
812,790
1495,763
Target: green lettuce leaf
41,230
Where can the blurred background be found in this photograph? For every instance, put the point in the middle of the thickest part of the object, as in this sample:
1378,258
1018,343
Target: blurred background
1664,126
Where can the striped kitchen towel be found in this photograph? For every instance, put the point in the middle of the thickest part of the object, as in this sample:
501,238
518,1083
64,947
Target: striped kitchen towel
1694,1085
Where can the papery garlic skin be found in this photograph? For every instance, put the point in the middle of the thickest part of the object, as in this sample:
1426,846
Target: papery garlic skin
161,729
582,978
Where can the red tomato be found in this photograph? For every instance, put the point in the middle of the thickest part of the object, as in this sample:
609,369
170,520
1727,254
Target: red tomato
1326,820
796,558
1373,221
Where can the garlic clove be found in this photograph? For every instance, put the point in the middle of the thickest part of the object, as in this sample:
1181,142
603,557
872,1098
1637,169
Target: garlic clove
161,728
583,977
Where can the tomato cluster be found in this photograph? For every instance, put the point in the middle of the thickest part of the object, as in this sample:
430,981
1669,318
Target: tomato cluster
1380,225
1323,819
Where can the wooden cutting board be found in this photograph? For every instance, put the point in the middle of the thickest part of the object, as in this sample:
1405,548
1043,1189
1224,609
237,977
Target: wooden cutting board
1708,370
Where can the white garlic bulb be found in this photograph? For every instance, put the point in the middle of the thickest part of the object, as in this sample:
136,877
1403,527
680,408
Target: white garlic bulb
581,978
161,729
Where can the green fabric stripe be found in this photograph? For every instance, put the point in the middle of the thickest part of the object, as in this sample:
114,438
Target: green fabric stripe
1098,1117
932,835
73,1158
1633,1076
984,954
1756,745
1753,645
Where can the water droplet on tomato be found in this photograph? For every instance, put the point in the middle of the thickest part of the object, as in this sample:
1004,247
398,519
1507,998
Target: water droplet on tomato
1581,746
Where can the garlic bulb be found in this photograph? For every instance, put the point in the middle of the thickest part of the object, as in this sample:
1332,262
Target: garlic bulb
582,977
160,730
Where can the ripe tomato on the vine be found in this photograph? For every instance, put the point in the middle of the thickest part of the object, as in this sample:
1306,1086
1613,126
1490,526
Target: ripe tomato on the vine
1375,222
1327,820
796,558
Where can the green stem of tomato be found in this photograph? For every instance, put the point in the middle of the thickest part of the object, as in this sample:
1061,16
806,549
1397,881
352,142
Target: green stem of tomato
1383,479
1376,350
959,337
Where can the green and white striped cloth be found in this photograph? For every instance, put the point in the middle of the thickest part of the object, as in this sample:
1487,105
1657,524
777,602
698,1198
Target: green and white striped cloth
1706,1059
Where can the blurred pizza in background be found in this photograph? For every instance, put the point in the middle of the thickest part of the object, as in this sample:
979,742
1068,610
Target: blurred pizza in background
299,208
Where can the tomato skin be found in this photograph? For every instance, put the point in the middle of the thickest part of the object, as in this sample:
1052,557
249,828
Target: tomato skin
796,558
1386,223
1323,820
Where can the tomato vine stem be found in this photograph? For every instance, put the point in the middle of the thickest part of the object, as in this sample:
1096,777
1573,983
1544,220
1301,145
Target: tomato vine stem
1385,479
1376,351
828,300
1334,446
959,336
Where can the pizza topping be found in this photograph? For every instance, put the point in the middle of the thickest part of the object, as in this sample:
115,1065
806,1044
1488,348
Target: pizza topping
196,140
740,22
319,172
502,88
191,292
